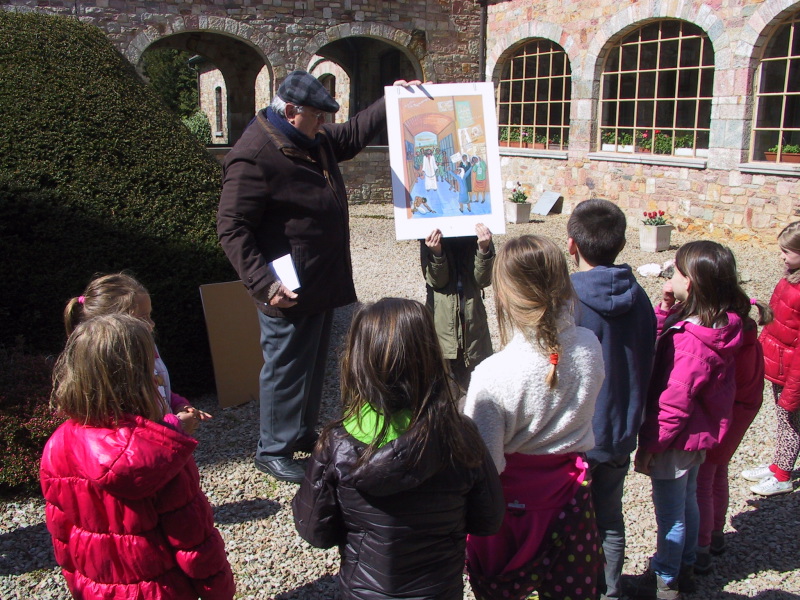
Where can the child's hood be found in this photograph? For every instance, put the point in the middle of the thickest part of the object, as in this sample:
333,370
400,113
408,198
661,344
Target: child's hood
724,340
133,460
394,468
610,291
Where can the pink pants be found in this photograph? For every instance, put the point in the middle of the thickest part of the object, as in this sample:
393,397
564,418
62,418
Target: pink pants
712,500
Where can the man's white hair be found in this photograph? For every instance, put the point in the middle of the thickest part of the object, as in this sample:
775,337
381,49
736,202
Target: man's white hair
278,105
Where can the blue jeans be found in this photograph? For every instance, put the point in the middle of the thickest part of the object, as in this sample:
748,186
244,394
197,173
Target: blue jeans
608,481
678,522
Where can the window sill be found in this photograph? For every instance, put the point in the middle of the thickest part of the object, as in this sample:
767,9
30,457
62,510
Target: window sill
534,153
771,168
650,159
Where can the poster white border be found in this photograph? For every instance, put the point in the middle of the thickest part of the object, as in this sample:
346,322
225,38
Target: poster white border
478,139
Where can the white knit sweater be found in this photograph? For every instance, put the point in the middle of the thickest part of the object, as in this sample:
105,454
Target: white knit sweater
516,411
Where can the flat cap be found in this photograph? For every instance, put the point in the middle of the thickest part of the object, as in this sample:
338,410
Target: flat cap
303,89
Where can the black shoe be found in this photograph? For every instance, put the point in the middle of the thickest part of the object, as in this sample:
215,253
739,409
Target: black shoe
717,543
307,443
282,468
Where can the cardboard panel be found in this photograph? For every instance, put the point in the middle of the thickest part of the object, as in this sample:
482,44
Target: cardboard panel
234,337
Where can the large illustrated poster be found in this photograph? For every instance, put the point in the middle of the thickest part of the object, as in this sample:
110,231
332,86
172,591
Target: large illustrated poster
445,159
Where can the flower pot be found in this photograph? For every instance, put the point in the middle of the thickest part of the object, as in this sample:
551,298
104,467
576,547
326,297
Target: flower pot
655,238
516,144
539,146
518,212
786,157
616,148
643,150
684,152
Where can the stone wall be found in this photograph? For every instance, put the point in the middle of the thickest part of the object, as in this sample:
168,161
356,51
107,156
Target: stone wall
368,177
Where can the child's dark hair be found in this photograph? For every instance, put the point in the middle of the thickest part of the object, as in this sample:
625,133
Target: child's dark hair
392,362
598,229
714,283
106,372
105,294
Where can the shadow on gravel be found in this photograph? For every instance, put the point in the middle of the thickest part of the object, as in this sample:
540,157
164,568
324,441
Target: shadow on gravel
246,510
765,539
325,587
25,550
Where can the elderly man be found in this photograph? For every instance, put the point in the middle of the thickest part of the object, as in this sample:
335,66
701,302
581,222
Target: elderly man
283,193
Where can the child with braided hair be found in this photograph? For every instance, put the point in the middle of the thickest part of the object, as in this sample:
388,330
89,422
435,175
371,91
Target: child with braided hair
533,404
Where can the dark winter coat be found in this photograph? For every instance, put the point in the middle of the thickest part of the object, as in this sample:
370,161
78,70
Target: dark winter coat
279,199
781,342
400,526
616,308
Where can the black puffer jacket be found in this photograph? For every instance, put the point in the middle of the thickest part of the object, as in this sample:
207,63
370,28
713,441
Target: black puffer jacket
401,531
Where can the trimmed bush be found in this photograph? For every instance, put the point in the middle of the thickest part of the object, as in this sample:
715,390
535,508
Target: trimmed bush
97,176
199,126
26,420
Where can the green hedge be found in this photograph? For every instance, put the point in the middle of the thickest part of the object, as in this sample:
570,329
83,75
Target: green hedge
97,176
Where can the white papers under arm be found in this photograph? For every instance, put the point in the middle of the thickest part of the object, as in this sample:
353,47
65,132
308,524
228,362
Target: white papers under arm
285,271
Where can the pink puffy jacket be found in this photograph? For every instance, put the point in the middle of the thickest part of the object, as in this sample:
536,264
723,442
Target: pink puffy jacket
127,517
691,392
781,342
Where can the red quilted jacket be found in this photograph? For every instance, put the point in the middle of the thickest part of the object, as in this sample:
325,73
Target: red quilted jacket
781,343
127,517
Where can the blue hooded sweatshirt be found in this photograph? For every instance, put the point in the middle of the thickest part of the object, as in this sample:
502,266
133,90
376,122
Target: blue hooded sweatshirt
616,308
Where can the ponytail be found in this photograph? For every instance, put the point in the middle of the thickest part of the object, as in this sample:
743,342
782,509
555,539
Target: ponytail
73,314
765,314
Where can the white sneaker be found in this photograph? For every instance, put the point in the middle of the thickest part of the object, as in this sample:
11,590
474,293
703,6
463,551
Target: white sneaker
757,473
770,486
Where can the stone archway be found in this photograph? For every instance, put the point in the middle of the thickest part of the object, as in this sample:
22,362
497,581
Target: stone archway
239,51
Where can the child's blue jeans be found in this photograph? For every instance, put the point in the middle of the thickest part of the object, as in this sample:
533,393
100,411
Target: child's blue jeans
678,522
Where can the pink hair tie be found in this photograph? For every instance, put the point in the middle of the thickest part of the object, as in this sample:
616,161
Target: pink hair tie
81,299
753,301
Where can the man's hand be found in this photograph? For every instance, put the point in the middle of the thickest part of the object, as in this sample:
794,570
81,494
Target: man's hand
283,298
434,242
484,237
405,83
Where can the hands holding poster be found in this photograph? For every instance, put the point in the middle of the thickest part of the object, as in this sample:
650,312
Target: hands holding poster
445,159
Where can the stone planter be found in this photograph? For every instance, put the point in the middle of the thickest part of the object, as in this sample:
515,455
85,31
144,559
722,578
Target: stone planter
518,212
616,148
655,238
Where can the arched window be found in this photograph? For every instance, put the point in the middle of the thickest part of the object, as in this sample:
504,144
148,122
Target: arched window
776,134
533,97
655,92
328,81
218,107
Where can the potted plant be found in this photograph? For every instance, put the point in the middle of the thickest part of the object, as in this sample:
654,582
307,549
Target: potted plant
540,141
525,137
662,142
518,210
789,153
614,141
643,141
655,232
554,143
504,136
684,145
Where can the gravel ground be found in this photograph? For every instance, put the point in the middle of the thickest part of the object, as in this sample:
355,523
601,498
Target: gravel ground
254,515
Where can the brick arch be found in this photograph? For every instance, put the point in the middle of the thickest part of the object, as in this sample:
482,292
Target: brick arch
379,31
637,15
507,44
224,26
761,25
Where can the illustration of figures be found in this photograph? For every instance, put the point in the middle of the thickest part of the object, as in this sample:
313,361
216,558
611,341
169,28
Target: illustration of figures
478,180
463,176
429,170
466,164
419,204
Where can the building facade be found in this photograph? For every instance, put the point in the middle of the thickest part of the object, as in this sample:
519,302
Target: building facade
685,106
